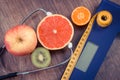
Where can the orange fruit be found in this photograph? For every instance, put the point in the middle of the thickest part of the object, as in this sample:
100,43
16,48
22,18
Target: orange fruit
55,32
80,16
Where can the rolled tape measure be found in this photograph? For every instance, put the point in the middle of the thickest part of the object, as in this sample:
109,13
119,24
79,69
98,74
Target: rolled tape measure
94,43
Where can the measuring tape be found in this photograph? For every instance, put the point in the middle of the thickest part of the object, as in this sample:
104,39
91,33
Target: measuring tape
104,18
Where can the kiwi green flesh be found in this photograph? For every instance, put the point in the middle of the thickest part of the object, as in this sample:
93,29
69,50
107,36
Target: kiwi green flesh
39,53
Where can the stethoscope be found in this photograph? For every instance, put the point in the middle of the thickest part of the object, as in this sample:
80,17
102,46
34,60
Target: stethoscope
2,49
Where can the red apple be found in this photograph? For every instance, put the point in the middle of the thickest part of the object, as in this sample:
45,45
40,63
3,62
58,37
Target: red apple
20,40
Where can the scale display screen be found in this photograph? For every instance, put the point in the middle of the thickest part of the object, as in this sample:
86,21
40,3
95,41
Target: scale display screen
86,56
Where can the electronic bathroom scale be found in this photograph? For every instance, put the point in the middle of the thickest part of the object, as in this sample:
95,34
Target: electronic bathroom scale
97,45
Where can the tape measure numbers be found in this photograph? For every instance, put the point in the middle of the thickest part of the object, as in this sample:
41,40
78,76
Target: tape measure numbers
104,18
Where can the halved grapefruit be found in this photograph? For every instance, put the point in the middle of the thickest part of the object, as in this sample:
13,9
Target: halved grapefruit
55,32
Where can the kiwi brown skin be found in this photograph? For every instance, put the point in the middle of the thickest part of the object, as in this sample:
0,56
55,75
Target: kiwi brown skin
41,57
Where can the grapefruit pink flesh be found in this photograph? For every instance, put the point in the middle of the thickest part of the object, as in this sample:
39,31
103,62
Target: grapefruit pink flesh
55,32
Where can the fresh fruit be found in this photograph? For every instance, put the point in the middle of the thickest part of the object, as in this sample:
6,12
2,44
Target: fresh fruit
104,18
20,40
55,32
80,16
41,57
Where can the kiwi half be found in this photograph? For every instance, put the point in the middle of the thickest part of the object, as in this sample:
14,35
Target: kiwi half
41,57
